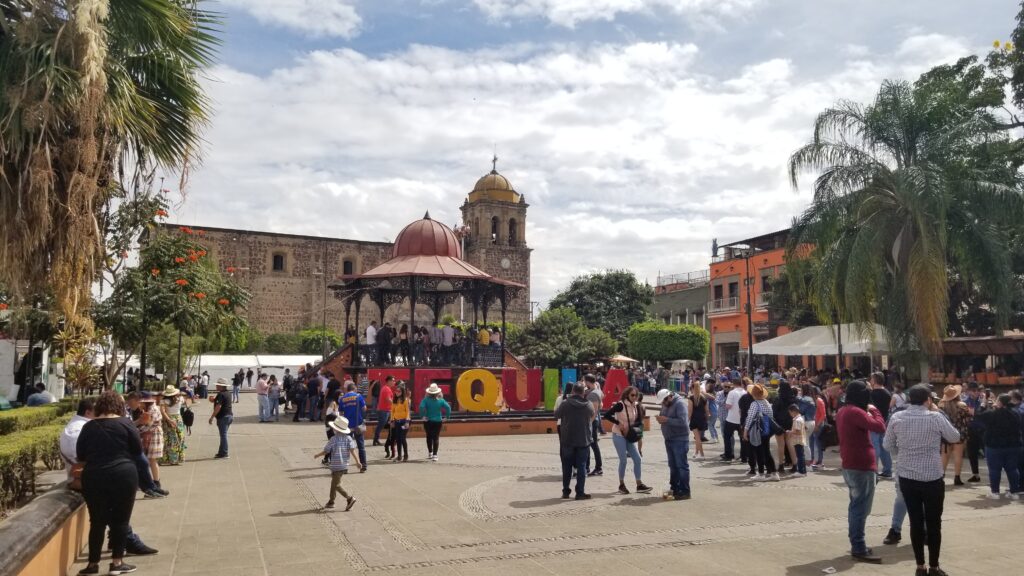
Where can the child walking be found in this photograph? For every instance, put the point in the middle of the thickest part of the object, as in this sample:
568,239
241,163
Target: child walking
798,439
338,450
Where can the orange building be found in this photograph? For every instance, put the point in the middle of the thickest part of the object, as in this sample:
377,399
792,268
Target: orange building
760,260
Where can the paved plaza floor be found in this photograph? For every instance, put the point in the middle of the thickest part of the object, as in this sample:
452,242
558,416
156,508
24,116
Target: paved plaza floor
491,506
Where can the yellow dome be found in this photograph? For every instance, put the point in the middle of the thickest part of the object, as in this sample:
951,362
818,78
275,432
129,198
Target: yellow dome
494,186
492,181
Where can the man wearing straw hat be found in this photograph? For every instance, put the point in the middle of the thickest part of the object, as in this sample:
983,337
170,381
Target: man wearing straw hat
339,447
222,412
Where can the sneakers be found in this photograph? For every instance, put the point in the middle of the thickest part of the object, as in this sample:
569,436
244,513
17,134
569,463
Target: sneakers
773,477
755,477
566,494
623,489
89,570
893,537
152,494
800,474
974,478
434,456
642,488
140,550
121,569
867,556
583,496
681,496
936,571
1013,495
994,496
595,472
350,503
751,473
957,481
330,504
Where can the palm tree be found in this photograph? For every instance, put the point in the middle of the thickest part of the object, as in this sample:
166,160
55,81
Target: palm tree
96,94
899,201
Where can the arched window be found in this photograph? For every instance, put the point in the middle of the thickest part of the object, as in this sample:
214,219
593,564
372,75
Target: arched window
513,232
494,230
348,267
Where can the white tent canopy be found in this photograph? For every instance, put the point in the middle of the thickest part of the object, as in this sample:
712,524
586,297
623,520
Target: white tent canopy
821,341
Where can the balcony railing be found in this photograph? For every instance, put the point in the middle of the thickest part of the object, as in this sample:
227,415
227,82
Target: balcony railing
724,305
763,299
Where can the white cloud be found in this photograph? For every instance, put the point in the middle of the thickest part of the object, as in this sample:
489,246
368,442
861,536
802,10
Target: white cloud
628,157
317,17
569,13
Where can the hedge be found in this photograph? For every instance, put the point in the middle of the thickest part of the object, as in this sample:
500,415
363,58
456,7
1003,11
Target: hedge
26,418
663,342
19,453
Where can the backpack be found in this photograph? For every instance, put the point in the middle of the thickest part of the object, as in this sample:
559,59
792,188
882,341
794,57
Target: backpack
188,417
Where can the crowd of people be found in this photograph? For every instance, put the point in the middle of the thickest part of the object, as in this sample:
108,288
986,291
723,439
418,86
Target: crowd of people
448,344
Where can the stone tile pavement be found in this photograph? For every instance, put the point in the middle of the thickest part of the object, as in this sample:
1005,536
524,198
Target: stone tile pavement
491,506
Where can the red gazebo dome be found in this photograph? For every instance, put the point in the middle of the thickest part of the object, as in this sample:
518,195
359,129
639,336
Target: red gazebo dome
427,237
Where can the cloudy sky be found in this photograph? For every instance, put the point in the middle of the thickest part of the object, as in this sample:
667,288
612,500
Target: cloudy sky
639,130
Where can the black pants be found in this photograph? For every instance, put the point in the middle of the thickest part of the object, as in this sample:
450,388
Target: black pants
110,496
763,456
974,448
595,435
574,459
397,438
433,430
924,506
728,429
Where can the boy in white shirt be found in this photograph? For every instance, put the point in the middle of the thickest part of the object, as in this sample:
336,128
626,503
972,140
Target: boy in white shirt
798,439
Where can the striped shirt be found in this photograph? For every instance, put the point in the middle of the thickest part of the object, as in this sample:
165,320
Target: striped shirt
338,448
914,437
756,408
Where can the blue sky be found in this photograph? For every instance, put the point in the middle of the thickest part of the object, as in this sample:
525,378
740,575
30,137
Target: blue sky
638,129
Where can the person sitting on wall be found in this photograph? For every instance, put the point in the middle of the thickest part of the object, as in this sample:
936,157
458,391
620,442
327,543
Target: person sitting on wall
41,397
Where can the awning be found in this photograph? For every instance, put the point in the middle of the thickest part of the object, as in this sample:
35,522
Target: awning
984,345
620,359
821,341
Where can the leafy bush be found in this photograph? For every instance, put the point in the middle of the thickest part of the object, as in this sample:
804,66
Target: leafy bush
660,342
27,418
19,454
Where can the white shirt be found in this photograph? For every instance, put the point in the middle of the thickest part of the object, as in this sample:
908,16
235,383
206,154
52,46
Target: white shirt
69,440
205,379
733,400
371,334
447,335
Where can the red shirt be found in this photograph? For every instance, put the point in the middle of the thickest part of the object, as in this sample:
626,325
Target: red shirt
386,395
853,426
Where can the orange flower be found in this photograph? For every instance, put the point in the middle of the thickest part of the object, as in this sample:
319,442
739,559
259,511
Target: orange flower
231,269
155,271
3,306
200,295
185,229
223,302
179,260
193,257
161,212
181,282
201,253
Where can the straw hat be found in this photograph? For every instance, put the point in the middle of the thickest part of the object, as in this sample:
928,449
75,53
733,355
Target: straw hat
223,382
433,389
340,425
171,391
758,392
952,391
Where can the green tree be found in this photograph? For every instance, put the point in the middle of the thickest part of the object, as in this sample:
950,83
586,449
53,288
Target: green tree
312,340
898,200
663,342
282,343
93,91
557,337
612,300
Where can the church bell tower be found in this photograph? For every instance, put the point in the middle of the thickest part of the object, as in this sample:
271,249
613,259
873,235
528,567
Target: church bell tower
496,244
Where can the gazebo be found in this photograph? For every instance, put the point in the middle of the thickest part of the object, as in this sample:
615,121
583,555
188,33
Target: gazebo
426,267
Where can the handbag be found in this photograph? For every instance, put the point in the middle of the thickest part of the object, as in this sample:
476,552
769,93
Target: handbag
635,431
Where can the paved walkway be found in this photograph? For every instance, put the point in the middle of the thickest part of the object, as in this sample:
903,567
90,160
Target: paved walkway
491,506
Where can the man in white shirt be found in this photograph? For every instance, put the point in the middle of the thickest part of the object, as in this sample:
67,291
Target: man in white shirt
371,339
732,419
447,339
69,453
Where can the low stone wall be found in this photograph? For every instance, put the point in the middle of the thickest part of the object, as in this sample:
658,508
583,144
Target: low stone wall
45,536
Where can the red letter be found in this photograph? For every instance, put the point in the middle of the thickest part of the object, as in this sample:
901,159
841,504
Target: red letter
615,383
509,388
423,378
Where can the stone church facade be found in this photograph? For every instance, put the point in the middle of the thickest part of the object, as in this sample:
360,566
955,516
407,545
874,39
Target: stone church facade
285,272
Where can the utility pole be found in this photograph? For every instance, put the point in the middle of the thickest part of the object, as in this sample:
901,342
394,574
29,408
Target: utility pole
750,317
323,341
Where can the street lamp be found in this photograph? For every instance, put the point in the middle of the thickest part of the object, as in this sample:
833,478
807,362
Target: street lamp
462,232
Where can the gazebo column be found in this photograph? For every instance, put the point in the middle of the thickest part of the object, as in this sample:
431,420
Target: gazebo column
504,331
411,340
357,359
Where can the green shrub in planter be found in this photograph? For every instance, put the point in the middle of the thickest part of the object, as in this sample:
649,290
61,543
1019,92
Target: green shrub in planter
19,454
26,418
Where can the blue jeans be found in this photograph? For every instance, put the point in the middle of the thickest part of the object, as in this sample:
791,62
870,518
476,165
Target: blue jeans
383,417
678,467
275,407
899,509
360,442
234,393
264,407
881,453
145,473
314,408
1000,459
575,459
801,461
817,446
223,423
862,493
626,449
